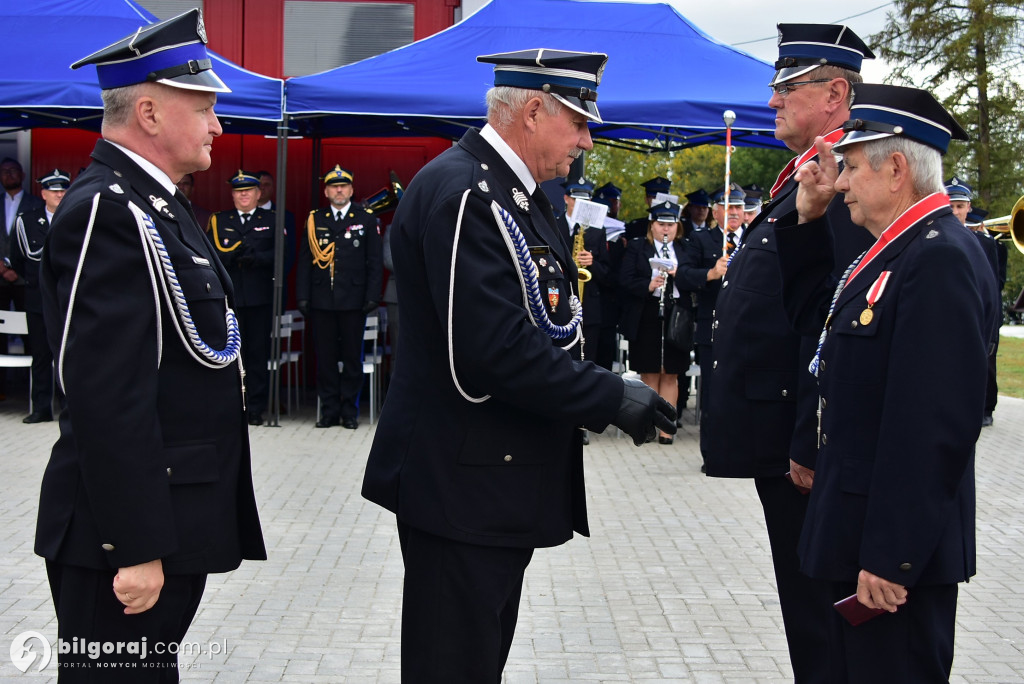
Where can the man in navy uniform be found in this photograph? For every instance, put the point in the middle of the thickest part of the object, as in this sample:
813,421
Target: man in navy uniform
695,212
593,257
244,238
30,232
12,286
478,451
758,369
638,226
611,308
338,282
752,202
995,251
149,486
900,364
609,195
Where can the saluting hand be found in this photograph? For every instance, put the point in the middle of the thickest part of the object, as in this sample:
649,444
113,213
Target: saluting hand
817,183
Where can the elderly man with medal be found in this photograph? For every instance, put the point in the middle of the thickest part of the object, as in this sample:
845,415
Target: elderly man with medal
900,365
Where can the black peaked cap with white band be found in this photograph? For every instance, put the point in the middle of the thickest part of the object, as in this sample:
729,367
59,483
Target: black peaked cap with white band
805,47
570,77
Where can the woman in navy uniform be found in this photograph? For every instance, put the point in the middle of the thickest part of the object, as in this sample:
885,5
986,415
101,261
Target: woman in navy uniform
338,282
30,232
650,297
904,341
244,238
478,451
149,486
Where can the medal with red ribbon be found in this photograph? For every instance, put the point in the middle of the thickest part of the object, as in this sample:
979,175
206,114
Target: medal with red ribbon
873,295
553,295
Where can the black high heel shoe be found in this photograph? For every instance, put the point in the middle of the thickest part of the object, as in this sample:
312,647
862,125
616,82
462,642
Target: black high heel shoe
664,440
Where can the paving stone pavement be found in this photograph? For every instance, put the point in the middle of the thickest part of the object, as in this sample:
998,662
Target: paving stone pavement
675,585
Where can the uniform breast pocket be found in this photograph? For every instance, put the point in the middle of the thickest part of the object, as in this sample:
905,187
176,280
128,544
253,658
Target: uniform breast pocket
857,354
199,282
760,270
192,463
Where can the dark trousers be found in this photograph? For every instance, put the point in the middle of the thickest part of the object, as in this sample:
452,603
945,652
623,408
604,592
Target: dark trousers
42,364
255,324
459,608
806,603
12,298
591,342
704,360
88,613
912,645
992,387
338,336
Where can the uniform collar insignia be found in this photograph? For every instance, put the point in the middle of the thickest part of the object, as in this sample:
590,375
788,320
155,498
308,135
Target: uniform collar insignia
521,199
483,186
160,204
931,234
117,189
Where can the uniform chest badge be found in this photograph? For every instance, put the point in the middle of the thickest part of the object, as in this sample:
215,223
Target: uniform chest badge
116,189
261,228
931,234
42,221
521,199
159,203
553,296
484,187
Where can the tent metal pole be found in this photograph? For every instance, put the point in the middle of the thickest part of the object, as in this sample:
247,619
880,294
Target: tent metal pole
279,238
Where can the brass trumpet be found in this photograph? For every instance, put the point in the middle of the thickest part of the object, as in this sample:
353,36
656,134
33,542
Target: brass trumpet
1012,223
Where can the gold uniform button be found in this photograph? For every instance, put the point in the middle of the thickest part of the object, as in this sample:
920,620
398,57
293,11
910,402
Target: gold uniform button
107,547
508,457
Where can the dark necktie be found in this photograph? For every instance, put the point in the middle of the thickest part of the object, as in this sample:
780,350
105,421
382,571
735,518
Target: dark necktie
246,218
731,239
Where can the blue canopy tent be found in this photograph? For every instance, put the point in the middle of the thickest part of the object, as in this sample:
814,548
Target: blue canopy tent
666,81
46,36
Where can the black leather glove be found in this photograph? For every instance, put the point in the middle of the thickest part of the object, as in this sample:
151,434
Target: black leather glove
642,413
370,307
303,308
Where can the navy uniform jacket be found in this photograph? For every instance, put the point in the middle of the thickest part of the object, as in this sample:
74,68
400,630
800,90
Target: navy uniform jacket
600,270
635,278
28,203
702,250
358,260
477,440
32,227
153,455
253,281
902,400
760,362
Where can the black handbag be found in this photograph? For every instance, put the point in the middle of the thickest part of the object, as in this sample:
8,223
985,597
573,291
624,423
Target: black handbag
679,329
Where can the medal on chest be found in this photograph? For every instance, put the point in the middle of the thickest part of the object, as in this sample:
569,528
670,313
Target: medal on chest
873,295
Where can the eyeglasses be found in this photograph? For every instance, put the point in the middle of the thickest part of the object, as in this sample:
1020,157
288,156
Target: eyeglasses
784,89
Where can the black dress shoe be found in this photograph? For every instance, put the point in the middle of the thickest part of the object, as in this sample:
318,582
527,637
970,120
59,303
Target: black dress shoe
703,468
38,417
327,422
985,422
664,440
586,438
255,419
349,423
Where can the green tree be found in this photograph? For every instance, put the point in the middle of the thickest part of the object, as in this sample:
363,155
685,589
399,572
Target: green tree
969,53
688,169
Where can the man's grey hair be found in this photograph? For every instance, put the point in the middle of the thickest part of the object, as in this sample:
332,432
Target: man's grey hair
504,102
118,104
831,71
925,162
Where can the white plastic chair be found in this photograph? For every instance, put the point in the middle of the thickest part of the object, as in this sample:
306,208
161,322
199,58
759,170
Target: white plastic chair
16,323
285,327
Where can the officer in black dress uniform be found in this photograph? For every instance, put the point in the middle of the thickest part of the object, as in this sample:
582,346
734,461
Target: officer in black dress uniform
638,226
149,486
759,364
244,238
611,308
29,235
900,365
751,202
705,260
696,212
593,257
478,450
960,195
338,282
